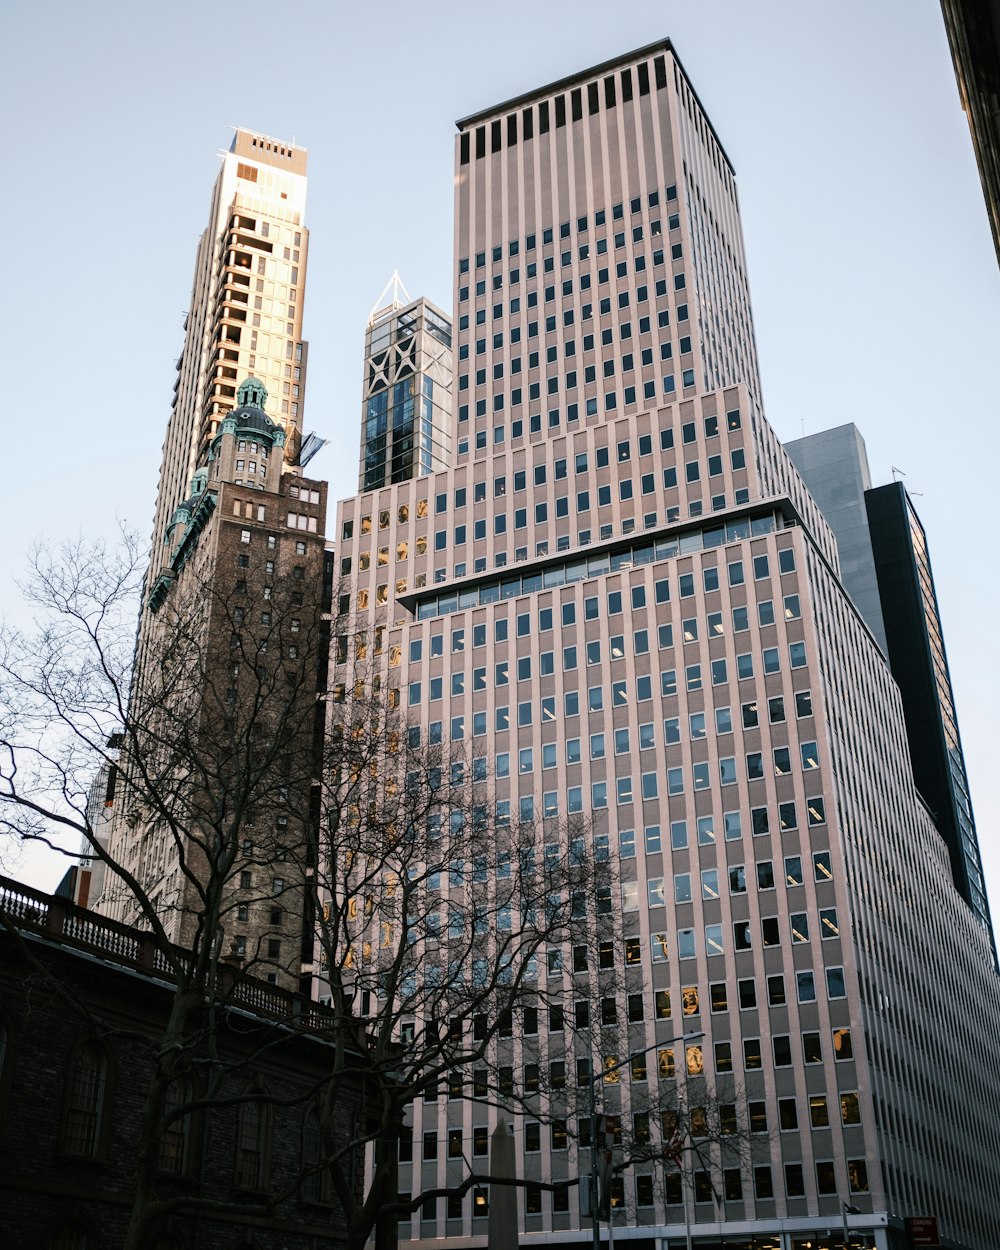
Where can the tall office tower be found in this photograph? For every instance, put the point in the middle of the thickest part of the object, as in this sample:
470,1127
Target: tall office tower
886,570
623,602
920,666
834,466
245,316
407,414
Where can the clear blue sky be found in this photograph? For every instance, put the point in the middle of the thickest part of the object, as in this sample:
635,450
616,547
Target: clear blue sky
875,286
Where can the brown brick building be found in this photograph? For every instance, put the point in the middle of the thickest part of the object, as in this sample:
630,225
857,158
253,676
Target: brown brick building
219,756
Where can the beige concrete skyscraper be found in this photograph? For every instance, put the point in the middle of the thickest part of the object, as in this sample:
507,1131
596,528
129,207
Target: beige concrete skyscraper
622,601
245,316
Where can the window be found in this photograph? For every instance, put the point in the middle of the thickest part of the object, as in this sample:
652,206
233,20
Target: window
812,1051
794,1180
850,1109
819,1113
86,1094
252,1134
758,1116
826,1177
788,1115
763,1185
174,1139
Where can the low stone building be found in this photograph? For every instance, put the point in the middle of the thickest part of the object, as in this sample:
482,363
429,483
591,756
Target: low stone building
83,1002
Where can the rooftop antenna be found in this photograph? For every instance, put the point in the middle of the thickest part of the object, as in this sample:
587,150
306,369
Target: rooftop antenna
395,285
895,471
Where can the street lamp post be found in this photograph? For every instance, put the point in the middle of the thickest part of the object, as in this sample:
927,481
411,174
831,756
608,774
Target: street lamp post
846,1210
602,1075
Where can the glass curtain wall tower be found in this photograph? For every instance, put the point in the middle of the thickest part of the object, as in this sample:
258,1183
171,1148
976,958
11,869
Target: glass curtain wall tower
407,416
622,597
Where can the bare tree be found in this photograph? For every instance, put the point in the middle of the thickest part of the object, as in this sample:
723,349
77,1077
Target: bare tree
441,917
212,718
687,1135
442,912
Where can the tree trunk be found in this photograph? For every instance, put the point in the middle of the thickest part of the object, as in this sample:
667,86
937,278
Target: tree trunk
142,1219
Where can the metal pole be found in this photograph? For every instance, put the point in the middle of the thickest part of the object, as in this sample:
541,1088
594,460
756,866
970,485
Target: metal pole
846,1209
594,1218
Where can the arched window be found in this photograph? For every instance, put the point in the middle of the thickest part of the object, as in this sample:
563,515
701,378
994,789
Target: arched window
85,1095
252,1133
175,1140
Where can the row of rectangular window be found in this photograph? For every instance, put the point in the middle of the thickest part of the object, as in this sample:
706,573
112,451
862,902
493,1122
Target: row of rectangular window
582,568
533,330
621,739
639,263
713,938
539,473
523,672
569,316
639,266
672,1187
544,619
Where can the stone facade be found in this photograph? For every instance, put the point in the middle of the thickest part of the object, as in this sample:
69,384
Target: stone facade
81,1013
621,600
238,606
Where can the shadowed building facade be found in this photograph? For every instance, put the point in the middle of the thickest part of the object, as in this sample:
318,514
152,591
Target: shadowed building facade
886,569
75,1072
